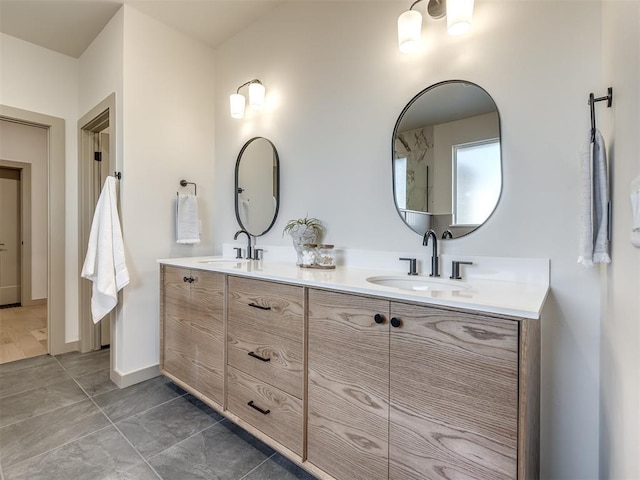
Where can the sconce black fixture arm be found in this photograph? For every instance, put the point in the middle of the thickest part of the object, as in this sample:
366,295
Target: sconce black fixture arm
435,8
255,80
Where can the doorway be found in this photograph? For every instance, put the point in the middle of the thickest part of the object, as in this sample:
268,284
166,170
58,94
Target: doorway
10,238
42,284
95,164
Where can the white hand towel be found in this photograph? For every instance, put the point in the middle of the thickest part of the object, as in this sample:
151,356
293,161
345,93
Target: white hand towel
585,251
600,201
187,220
594,226
105,262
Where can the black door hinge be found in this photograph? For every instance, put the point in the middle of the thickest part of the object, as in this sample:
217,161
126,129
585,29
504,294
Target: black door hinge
97,156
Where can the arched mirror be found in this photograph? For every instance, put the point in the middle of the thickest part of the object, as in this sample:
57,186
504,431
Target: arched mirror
257,186
447,162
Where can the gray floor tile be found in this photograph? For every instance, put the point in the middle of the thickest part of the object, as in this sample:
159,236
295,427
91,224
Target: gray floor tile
25,379
78,364
42,433
120,404
278,468
97,382
222,452
101,455
38,361
141,472
165,425
21,406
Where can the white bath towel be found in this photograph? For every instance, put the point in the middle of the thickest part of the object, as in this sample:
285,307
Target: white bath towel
594,227
105,262
187,220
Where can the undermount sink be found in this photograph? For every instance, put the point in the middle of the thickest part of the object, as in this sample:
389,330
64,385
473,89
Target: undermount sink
224,260
418,284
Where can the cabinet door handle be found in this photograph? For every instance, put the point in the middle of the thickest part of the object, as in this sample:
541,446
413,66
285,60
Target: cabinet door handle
378,318
264,412
185,279
255,305
188,279
396,322
255,355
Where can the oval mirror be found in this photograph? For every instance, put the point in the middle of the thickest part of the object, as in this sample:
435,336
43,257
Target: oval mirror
257,186
447,162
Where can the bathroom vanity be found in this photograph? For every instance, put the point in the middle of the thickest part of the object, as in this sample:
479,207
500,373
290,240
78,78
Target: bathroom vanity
356,380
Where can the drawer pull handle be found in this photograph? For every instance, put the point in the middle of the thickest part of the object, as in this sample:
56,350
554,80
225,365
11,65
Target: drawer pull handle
188,279
255,305
255,355
264,412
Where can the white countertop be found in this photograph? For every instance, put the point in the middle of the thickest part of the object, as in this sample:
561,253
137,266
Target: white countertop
516,299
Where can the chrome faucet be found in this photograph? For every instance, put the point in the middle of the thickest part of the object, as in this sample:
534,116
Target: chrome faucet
434,253
235,237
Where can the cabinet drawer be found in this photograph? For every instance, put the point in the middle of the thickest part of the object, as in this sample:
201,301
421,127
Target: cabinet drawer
283,422
266,306
273,359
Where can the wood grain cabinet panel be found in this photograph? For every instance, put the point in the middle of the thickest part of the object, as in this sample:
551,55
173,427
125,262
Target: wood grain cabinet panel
267,306
348,386
426,394
270,410
453,395
192,331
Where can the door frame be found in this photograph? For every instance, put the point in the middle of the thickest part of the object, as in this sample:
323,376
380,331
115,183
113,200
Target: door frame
56,226
96,119
25,230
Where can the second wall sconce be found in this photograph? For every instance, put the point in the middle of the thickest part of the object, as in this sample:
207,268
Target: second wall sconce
256,98
458,12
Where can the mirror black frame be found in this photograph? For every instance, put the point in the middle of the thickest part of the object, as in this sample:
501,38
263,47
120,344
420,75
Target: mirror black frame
393,150
237,189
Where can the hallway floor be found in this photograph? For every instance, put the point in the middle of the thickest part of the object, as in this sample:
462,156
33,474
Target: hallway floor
23,332
62,418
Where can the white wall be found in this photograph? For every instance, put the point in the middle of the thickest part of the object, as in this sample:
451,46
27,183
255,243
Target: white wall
336,84
620,372
39,80
168,121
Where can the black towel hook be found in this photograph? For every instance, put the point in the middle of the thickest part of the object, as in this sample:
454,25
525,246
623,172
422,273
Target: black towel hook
592,103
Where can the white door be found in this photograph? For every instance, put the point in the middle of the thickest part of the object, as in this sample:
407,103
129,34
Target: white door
10,241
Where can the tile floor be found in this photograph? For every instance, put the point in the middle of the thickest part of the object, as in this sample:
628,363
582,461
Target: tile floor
61,418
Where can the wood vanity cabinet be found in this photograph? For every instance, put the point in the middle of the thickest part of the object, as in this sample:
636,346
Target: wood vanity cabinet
265,342
192,329
406,391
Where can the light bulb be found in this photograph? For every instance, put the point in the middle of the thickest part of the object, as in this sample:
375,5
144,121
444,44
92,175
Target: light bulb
256,95
409,31
236,103
459,16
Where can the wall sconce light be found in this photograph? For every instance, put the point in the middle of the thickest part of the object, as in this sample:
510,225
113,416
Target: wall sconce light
459,14
256,98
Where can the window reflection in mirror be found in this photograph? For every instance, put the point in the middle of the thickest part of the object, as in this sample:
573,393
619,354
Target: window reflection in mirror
440,180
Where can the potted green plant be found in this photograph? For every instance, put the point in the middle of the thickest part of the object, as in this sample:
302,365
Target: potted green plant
303,230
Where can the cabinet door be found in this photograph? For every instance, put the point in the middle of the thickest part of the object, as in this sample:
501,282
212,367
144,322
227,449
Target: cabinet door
192,348
453,395
348,385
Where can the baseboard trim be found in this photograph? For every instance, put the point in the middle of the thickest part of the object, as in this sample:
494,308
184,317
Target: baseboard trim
124,380
34,301
65,348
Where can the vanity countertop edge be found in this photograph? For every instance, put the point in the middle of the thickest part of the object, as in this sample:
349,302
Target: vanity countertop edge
516,299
